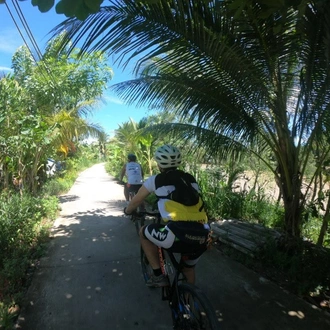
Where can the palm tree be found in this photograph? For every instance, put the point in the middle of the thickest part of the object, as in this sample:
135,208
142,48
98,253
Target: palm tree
70,127
126,136
130,136
244,75
143,137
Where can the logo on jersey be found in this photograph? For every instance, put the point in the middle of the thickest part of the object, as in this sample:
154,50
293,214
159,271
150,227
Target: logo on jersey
159,235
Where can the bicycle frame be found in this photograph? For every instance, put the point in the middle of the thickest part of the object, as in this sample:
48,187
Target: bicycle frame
169,291
179,293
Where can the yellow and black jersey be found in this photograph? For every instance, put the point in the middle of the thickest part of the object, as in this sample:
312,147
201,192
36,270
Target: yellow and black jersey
171,210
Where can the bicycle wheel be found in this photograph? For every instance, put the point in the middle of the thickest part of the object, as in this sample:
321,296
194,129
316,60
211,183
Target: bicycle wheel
191,310
146,268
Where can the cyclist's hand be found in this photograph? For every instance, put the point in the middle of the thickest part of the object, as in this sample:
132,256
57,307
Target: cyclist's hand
126,212
137,214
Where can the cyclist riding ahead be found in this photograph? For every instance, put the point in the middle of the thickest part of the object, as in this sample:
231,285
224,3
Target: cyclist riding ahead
181,208
134,174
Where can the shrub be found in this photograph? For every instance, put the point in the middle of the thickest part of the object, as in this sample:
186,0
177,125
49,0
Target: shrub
304,266
257,208
22,226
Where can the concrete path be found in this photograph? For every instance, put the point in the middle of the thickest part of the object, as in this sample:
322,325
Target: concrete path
91,278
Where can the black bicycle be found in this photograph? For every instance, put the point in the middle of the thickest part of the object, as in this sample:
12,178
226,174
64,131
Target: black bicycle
190,308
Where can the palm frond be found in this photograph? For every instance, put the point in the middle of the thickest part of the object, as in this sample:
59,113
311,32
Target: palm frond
235,74
193,137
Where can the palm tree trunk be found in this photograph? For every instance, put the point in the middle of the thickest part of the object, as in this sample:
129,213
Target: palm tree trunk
293,217
290,187
325,225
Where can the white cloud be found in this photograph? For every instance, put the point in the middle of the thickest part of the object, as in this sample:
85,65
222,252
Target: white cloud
89,140
9,41
111,99
4,68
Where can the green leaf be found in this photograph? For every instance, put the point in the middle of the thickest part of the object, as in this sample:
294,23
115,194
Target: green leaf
66,8
149,1
82,12
93,5
278,28
44,5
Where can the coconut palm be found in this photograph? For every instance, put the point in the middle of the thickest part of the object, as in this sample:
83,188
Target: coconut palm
143,137
130,137
126,136
70,127
245,75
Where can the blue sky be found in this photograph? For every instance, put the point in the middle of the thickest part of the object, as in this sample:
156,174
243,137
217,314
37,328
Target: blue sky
108,115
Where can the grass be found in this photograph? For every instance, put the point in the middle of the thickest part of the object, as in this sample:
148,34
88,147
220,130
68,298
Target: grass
24,225
25,222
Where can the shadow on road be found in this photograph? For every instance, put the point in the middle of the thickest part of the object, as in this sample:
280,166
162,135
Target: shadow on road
90,277
68,198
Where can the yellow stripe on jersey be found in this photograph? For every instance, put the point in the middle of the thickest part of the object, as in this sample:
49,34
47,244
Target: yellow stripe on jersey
179,212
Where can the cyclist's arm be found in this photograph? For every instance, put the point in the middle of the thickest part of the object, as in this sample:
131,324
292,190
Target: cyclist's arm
123,171
137,199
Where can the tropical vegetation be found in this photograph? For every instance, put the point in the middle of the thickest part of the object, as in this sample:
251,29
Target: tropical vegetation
243,85
44,108
72,8
246,77
44,111
242,191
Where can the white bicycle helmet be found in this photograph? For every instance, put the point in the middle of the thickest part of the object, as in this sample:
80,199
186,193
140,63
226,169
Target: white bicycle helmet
168,156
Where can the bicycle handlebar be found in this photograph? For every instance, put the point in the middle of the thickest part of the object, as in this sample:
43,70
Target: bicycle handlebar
152,214
142,213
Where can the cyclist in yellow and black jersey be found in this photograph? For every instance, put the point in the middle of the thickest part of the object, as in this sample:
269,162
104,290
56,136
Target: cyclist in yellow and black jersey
186,230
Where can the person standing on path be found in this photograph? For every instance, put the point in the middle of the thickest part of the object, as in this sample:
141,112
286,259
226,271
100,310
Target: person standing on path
134,174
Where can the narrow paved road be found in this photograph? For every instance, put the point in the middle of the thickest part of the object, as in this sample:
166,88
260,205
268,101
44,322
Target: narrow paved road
91,278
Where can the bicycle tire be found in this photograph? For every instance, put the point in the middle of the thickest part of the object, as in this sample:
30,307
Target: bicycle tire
146,268
191,310
138,222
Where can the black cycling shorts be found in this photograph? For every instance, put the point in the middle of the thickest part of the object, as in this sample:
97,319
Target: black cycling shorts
133,187
190,239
